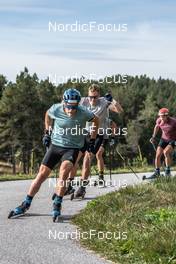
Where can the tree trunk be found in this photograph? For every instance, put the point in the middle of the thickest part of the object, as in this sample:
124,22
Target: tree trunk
24,162
13,161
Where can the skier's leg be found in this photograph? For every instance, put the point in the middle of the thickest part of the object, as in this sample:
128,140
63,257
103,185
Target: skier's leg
168,158
42,175
100,160
64,171
34,188
73,171
85,174
100,164
159,153
49,161
72,174
86,165
68,161
88,158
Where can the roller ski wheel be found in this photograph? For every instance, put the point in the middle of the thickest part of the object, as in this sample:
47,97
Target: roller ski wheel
101,180
95,183
144,177
56,213
100,183
19,211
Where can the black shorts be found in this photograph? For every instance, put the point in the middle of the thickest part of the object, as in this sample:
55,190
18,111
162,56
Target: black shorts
98,143
163,143
56,154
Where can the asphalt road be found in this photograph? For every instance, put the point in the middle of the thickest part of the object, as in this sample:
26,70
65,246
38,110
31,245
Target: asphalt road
34,238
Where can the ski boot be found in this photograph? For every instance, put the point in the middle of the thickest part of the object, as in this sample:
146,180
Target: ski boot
21,209
79,194
56,207
167,172
69,189
152,177
101,181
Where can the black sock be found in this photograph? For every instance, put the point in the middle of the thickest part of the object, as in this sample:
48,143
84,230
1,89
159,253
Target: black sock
157,171
28,199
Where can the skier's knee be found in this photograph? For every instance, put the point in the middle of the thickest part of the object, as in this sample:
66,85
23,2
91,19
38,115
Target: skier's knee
167,153
158,156
99,155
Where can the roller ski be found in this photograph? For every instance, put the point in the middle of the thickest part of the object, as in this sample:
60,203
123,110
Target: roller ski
154,176
21,209
100,182
56,208
80,193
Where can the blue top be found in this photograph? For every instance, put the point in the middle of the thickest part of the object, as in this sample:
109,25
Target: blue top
68,131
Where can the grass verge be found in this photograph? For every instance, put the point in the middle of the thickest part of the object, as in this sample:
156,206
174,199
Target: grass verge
16,177
141,222
11,177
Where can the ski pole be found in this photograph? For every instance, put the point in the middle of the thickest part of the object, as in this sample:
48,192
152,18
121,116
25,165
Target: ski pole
110,156
153,145
127,164
110,164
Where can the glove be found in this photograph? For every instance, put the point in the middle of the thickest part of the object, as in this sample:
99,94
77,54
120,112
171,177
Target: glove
153,140
46,139
108,97
112,142
91,145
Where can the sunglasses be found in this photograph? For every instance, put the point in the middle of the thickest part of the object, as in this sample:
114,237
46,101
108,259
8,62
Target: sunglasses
71,106
93,97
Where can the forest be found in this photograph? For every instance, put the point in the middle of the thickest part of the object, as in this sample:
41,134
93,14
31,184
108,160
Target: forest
23,104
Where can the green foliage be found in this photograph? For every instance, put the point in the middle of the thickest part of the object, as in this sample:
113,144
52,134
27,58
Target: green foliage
3,83
22,110
161,215
146,213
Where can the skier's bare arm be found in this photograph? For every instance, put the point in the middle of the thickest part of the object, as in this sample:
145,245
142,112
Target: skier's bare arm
48,122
